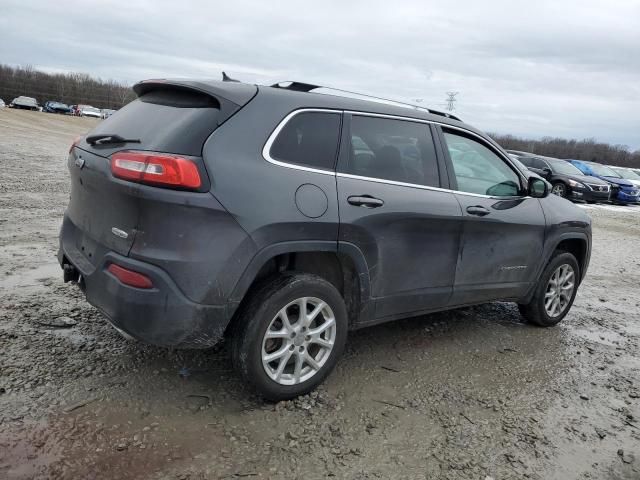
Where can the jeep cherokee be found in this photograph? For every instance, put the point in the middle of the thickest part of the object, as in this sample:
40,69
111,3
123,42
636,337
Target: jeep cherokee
284,217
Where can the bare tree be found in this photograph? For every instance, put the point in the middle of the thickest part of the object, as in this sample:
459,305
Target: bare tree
587,149
70,88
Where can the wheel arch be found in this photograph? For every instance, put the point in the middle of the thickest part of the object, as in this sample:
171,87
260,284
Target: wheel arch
577,246
345,267
576,243
562,182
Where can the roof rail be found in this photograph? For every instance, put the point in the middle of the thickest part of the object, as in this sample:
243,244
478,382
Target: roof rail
308,87
296,86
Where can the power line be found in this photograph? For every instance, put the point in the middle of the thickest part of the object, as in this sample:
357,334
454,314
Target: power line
451,100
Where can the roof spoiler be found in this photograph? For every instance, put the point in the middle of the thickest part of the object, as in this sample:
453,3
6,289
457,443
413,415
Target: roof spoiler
231,95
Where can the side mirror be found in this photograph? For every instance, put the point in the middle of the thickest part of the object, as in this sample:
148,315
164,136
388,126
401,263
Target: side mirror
538,188
546,171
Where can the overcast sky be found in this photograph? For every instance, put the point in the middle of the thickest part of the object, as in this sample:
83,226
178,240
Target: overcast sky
567,68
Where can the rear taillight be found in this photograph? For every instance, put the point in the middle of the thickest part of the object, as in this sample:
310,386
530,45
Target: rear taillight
155,169
129,277
75,142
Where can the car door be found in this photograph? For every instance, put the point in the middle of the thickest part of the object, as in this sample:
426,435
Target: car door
503,228
393,210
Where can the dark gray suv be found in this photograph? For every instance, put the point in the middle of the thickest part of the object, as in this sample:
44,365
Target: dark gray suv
283,218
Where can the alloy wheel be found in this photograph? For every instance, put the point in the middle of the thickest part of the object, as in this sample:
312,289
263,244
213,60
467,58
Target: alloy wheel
298,341
558,189
559,290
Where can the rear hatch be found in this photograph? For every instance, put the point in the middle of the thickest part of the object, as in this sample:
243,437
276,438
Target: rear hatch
169,119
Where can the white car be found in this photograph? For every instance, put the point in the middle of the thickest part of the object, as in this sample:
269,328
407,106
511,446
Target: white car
627,174
26,103
2,105
89,111
107,112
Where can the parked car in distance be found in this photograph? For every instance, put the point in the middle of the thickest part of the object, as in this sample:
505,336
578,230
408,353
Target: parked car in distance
520,153
106,112
622,191
627,174
2,104
324,213
88,111
56,107
26,103
567,180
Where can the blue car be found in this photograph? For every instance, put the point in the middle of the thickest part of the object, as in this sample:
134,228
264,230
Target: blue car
622,191
56,107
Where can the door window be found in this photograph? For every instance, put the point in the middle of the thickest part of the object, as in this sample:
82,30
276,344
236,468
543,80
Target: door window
309,139
479,170
527,161
539,164
390,149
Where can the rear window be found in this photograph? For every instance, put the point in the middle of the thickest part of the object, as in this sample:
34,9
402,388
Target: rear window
166,120
309,139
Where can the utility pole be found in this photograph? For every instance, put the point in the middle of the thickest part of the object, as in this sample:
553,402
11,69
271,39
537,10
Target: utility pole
451,100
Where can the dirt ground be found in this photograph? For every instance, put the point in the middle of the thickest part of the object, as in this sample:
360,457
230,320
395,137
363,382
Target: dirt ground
469,394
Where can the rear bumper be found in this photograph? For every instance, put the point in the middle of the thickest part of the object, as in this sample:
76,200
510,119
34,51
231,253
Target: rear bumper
161,315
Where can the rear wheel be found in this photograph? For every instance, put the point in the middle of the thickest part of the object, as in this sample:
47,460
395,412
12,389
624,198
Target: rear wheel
555,291
559,189
290,335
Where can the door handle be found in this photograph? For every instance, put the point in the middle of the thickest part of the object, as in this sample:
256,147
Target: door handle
365,201
478,210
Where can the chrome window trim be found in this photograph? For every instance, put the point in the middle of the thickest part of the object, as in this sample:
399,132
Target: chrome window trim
392,182
424,187
266,150
267,155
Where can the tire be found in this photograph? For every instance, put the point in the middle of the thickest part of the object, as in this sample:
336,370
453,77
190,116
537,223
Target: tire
559,189
536,310
263,312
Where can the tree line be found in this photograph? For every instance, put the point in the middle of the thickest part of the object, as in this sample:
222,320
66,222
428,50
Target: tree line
588,149
81,88
69,88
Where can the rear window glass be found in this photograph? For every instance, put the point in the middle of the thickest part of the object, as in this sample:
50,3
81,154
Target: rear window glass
309,139
166,120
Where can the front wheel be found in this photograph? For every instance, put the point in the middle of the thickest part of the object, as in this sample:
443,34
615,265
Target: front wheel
559,189
289,335
555,291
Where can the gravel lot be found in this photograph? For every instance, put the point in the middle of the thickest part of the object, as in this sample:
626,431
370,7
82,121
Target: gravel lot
468,394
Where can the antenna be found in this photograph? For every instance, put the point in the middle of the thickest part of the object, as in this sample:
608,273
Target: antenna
451,100
227,78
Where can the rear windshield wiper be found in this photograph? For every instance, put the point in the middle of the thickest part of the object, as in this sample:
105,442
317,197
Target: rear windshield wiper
106,138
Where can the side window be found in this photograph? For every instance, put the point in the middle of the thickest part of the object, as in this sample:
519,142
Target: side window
478,169
537,163
309,139
398,150
527,161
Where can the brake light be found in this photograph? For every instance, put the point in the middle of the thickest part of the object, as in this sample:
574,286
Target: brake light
155,169
129,277
75,142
